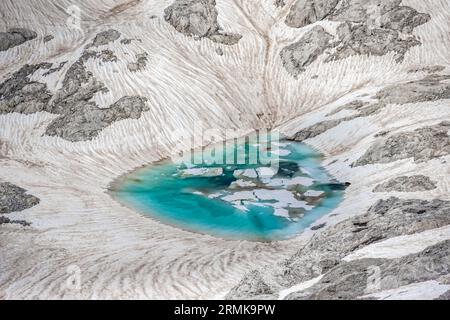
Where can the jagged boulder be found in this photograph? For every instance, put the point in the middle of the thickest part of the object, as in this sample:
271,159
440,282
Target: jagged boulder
15,37
14,198
421,144
297,56
407,184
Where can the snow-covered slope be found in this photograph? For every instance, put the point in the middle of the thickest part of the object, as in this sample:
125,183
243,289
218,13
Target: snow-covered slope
241,65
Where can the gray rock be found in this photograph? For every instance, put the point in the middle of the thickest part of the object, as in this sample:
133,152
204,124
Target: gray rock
370,27
367,11
56,69
228,39
78,87
219,51
105,37
140,64
407,184
403,19
84,122
422,144
125,41
193,17
80,118
279,3
48,38
253,284
15,37
354,105
107,56
14,198
351,280
431,88
305,12
20,94
297,56
445,296
385,219
359,39
427,69
198,18
318,128
318,227
5,220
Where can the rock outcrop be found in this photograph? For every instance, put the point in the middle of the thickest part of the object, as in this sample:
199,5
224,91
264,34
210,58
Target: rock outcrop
421,144
430,88
198,18
385,219
5,220
407,184
305,12
105,37
15,37
140,64
360,278
297,56
318,129
80,118
20,94
14,198
85,121
373,27
360,39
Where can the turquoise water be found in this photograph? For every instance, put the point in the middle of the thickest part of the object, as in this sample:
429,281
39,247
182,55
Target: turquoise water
258,204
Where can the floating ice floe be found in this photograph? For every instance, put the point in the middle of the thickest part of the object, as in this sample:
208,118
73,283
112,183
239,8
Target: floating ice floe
280,200
266,172
314,193
249,173
203,172
242,184
280,144
281,152
280,182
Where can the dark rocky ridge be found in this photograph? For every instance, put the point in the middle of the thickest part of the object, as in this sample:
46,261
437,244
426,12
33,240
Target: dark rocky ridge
385,219
85,121
352,280
319,128
297,56
80,118
407,184
140,64
5,220
431,88
198,18
14,198
19,94
421,144
359,39
105,37
305,12
15,37
364,30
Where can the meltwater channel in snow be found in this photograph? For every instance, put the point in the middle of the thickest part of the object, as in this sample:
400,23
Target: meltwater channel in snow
247,201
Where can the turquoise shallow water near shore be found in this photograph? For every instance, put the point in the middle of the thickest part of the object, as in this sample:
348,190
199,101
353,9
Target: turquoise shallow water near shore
245,201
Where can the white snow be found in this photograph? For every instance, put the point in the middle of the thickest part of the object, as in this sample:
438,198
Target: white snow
428,290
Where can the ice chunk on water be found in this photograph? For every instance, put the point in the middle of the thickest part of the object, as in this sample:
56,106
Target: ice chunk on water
203,172
249,173
266,172
314,193
242,184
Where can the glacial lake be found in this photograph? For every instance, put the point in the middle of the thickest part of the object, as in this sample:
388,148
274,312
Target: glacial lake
238,201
